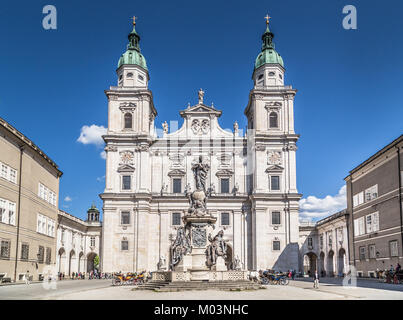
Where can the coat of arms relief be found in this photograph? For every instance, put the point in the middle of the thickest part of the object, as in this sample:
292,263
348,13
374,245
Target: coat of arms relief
274,157
200,126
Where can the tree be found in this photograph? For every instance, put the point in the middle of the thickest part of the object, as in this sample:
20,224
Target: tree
96,262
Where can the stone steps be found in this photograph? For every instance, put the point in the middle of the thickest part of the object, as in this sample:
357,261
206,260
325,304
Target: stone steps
199,285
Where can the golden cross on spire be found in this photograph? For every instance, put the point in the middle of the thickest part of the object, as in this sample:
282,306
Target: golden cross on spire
267,17
134,20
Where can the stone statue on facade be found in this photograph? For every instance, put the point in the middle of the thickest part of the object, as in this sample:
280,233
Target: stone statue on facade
201,95
217,248
236,127
180,247
198,198
161,263
165,127
237,264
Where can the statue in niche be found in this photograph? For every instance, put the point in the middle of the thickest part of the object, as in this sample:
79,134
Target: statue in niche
180,247
217,248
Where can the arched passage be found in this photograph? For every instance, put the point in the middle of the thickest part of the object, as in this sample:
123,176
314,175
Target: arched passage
342,263
72,262
330,261
81,262
322,268
90,261
310,263
61,256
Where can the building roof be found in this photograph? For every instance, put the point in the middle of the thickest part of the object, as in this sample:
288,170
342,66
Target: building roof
27,142
133,56
332,217
379,153
268,55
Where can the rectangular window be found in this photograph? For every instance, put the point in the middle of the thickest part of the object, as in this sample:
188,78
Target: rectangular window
275,218
371,193
177,185
372,222
359,226
362,253
125,217
274,183
224,218
124,245
176,219
48,255
224,183
3,211
358,199
5,249
92,241
372,251
276,245
41,254
11,213
24,251
13,176
126,182
4,171
46,194
394,252
310,242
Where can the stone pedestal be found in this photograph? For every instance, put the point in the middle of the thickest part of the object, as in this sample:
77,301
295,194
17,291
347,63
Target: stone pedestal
220,265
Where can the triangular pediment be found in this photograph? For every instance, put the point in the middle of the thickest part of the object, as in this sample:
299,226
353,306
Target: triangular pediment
274,167
126,168
200,109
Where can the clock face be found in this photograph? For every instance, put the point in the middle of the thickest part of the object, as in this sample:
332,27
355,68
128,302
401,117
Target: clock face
127,157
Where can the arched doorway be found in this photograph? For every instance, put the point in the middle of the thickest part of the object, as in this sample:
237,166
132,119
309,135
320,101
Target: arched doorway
72,262
310,263
342,263
62,260
90,261
81,262
322,268
330,261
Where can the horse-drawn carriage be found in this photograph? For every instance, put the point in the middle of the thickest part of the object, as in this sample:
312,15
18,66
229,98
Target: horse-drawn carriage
129,278
270,277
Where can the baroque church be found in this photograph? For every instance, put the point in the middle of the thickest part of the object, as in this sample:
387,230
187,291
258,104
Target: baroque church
250,185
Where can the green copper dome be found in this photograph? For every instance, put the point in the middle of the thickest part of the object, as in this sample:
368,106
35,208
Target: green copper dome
133,55
268,55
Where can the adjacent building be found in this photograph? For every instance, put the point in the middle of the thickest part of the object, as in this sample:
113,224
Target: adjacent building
29,189
324,246
251,181
78,242
374,204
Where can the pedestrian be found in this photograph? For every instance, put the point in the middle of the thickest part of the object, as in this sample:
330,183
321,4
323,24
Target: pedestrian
398,267
293,274
27,277
316,280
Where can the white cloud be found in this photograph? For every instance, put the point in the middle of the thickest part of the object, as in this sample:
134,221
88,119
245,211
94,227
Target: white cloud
99,179
103,155
316,208
92,135
67,199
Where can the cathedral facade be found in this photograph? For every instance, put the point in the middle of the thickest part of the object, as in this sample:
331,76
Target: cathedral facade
250,182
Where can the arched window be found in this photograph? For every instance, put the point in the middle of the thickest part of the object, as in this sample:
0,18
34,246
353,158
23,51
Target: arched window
128,121
273,117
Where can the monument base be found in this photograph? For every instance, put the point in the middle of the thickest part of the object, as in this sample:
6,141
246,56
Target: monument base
199,275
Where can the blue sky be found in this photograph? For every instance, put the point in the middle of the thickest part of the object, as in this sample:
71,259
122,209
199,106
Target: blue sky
349,82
